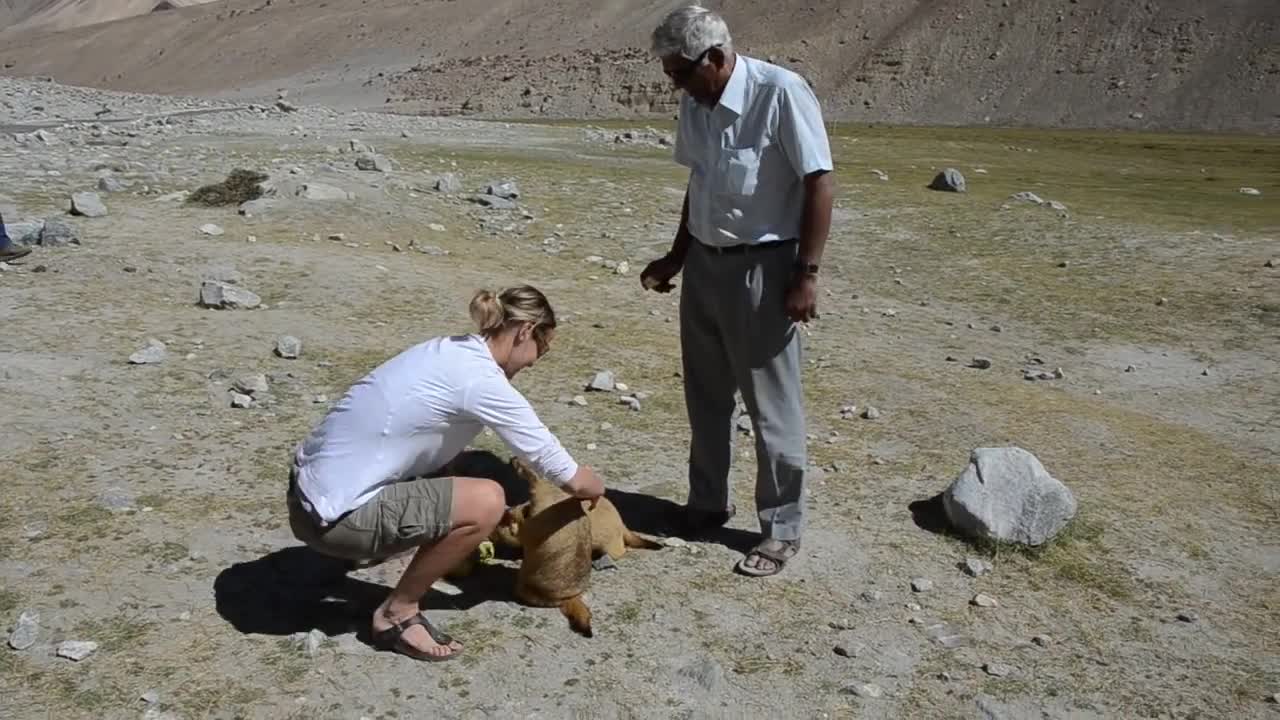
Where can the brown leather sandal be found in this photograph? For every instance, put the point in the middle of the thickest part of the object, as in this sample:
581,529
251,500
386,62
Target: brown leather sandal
393,639
777,552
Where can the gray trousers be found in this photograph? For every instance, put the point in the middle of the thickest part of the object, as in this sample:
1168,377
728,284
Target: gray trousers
735,335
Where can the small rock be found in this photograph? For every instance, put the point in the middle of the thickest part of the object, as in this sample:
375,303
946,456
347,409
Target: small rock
674,542
1205,372
976,567
997,669
621,387
1188,616
623,268
1064,263
1131,368
1029,197
578,400
871,596
914,607
76,650
921,585
1274,699
1162,301
218,294
322,192
871,413
997,328
25,631
630,401
251,384
309,642
110,185
493,202
285,106
602,382
87,204
845,651
288,347
981,363
1250,191
949,180
1273,262
154,353
240,400
505,190
320,399
372,163
448,183
984,600
1042,640
150,697
863,690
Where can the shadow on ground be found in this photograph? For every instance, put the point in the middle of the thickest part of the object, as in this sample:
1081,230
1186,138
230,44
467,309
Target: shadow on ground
296,589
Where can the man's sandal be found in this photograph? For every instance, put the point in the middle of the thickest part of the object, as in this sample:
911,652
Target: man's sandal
393,639
777,552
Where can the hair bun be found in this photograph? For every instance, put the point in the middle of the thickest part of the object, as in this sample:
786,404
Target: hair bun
487,312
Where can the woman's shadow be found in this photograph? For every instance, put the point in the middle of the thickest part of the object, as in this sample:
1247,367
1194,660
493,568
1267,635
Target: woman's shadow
296,589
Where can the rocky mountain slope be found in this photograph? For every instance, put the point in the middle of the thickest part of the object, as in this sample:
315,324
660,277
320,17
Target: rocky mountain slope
56,15
1052,63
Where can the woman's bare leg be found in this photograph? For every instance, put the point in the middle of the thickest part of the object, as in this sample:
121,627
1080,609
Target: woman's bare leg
477,507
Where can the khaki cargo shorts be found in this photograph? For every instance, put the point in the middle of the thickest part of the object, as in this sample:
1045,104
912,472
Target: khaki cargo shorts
401,517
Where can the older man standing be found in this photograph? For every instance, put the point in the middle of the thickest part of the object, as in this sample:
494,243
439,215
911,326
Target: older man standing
756,215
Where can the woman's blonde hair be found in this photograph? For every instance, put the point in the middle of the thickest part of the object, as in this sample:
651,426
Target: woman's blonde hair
491,311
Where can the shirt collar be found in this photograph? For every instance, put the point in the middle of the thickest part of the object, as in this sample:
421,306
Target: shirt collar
734,96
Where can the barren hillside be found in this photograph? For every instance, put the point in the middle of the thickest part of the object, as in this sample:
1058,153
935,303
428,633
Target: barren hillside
56,15
1056,63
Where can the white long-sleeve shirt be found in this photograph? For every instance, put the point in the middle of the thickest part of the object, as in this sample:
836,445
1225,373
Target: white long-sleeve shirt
414,413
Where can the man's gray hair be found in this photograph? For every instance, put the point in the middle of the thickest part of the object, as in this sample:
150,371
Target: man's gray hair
688,31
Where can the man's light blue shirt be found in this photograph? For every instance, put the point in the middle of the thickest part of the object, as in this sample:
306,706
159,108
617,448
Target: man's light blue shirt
748,155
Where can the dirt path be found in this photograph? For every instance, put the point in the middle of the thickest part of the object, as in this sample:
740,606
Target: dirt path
145,514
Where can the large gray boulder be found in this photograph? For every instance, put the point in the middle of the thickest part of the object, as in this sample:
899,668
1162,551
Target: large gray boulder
949,180
1005,494
87,204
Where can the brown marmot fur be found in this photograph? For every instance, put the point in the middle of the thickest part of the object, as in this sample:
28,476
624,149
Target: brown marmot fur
609,534
555,537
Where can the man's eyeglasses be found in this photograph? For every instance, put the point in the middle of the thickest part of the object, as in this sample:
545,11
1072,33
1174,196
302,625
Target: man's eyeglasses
682,74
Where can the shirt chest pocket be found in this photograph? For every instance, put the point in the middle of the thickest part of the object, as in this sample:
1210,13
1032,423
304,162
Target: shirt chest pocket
739,171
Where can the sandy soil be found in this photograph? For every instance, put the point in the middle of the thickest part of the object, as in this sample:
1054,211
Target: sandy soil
145,514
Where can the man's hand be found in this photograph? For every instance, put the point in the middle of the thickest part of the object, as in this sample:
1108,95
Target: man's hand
586,485
657,274
802,298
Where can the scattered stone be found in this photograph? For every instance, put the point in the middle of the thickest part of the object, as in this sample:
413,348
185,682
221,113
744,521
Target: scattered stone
372,163
1055,205
1064,263
288,347
981,363
111,185
921,585
871,413
493,202
1188,616
448,183
87,204
630,401
1130,368
1005,494
285,106
506,190
976,567
984,600
997,328
622,268
871,597
1273,262
309,642
882,175
150,697
211,229
604,562
322,192
76,650
602,382
578,400
25,631
1162,301
1042,640
249,208
320,399
240,400
863,690
1274,699
1034,374
153,354
997,669
1250,191
114,500
252,384
949,180
703,672
1029,197
674,542
848,411
845,651
218,294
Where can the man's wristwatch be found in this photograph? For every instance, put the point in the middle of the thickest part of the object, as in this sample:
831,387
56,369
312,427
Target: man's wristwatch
806,268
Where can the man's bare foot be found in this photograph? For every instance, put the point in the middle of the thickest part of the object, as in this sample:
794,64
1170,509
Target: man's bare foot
412,634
